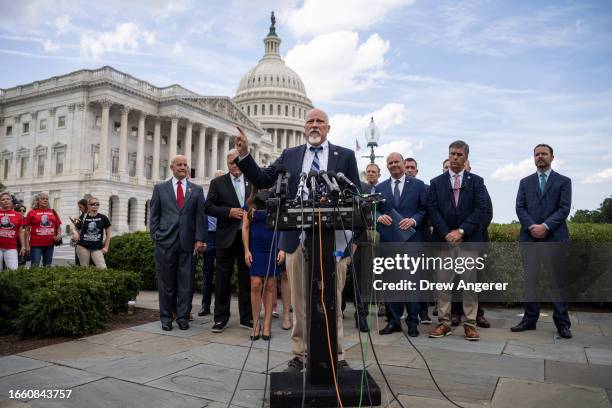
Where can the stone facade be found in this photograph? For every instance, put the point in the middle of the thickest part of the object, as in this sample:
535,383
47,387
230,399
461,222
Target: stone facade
105,133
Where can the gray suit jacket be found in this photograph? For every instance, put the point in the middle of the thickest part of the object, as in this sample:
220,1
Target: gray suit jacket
168,223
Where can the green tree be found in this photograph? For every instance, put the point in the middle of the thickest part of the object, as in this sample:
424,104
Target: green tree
603,215
606,210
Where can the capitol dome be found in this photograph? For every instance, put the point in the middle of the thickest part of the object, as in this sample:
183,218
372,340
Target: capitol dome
274,95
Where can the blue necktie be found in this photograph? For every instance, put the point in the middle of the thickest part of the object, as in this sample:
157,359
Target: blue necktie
542,182
316,166
396,193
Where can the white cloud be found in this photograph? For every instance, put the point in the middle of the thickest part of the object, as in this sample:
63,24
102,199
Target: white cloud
50,46
335,64
318,17
522,169
125,38
601,177
61,24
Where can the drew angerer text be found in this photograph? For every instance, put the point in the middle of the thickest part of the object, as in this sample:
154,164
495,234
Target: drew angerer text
424,285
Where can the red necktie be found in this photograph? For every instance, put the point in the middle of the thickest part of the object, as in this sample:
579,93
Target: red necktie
179,194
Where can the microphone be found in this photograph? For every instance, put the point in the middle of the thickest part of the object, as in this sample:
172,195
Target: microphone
346,180
332,175
300,189
330,185
312,176
281,170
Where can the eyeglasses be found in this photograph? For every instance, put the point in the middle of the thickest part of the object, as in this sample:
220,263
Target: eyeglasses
96,204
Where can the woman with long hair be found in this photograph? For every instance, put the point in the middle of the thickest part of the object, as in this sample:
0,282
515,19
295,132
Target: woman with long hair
261,256
11,232
93,238
43,230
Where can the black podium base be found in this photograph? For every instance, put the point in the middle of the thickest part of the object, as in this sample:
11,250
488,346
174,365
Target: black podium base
286,391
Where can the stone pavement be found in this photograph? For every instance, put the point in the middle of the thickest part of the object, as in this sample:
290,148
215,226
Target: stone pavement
146,367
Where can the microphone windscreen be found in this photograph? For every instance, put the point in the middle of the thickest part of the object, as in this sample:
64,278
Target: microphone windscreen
331,173
312,173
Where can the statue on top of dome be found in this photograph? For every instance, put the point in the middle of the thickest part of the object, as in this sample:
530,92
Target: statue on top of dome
272,25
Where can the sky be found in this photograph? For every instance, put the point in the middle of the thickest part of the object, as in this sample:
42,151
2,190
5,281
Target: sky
502,76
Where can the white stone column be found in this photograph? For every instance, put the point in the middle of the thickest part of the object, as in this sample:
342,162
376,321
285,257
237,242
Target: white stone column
32,165
104,137
140,147
188,141
214,153
156,150
84,155
273,133
139,222
283,136
122,214
173,137
201,166
51,130
226,140
69,162
123,144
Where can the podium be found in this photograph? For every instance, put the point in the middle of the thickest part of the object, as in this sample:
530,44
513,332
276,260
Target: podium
287,388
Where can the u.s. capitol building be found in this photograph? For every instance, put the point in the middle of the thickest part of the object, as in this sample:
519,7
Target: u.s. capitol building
105,133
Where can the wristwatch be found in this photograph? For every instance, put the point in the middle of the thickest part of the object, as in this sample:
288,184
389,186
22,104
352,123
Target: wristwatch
461,231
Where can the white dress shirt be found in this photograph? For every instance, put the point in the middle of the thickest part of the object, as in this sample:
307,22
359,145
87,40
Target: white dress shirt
400,186
452,177
175,186
239,181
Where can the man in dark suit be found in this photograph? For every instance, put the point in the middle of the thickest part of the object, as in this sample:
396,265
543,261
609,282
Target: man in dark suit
411,169
316,154
226,201
543,204
406,196
457,206
178,227
457,307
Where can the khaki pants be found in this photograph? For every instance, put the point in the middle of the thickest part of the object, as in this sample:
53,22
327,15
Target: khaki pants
470,299
85,255
297,273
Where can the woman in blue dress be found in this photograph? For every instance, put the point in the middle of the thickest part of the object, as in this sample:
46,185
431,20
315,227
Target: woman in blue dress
262,257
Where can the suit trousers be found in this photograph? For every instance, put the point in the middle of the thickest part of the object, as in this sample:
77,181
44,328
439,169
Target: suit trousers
549,257
470,299
175,268
297,272
226,258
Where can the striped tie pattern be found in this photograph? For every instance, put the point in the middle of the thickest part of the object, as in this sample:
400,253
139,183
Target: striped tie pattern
316,166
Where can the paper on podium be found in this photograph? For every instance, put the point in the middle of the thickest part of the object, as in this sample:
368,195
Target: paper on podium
393,233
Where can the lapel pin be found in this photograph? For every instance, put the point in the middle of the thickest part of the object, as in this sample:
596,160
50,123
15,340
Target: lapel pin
335,153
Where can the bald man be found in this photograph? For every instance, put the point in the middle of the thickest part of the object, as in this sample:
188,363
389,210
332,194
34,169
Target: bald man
316,154
178,227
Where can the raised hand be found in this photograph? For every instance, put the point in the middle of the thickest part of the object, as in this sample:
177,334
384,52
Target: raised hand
242,142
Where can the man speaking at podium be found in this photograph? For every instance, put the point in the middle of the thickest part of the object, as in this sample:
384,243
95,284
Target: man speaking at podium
316,154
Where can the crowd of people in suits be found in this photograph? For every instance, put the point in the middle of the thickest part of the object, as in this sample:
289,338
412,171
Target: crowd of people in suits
228,227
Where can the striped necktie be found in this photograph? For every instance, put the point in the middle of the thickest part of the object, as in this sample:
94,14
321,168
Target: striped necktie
316,165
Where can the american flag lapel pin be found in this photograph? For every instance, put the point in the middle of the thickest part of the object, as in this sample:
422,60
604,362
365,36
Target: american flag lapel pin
335,153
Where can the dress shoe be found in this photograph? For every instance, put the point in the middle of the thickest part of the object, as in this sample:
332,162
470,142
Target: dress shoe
343,365
522,326
218,327
183,324
204,311
564,332
440,331
361,323
471,334
482,322
247,325
413,331
295,366
167,326
390,328
455,320
266,337
190,318
424,317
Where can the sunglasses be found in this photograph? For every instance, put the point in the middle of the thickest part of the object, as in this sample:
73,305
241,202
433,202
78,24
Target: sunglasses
96,204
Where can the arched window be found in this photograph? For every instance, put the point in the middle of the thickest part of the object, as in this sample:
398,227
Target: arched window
278,110
263,109
293,111
249,110
254,110
271,109
286,110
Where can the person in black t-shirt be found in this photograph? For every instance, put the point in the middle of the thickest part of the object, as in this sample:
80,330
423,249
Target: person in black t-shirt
93,236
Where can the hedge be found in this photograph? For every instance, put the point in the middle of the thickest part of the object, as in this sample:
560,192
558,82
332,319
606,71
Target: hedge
63,301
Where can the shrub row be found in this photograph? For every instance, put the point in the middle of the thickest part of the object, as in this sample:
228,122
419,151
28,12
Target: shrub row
63,301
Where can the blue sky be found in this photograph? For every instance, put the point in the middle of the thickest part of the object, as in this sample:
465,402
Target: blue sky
501,75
